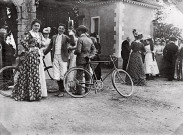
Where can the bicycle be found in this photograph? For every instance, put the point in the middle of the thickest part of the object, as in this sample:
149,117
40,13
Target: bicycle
121,80
7,82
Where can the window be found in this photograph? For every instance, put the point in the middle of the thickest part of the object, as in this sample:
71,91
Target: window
95,25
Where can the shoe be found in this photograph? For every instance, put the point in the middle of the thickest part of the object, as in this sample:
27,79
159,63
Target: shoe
60,94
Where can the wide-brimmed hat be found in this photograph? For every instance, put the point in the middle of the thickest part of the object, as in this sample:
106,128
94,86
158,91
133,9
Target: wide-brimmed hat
47,30
82,27
137,35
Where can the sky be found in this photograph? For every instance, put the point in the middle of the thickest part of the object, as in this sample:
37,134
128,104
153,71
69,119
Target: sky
173,16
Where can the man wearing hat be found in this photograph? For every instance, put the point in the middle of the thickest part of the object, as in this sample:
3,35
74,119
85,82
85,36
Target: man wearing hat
59,46
169,54
85,49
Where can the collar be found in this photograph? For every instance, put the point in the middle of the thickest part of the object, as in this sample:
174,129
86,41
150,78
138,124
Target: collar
59,34
83,35
32,31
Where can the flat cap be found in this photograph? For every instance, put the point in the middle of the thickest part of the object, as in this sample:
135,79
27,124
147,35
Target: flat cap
82,27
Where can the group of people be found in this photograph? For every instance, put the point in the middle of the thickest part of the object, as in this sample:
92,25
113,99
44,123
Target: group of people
146,58
62,51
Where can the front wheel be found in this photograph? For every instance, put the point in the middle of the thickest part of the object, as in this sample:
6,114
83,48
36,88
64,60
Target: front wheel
122,82
8,79
78,82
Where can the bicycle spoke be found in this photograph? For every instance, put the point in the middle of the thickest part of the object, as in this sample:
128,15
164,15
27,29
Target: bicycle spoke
122,83
8,81
78,82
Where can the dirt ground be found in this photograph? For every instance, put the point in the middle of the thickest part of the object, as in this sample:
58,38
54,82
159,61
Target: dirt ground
156,109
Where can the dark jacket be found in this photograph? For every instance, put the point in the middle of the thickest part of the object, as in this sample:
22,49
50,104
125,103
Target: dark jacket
125,49
64,46
170,51
85,49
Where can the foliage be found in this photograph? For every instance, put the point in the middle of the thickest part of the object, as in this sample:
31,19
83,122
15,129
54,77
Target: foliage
163,30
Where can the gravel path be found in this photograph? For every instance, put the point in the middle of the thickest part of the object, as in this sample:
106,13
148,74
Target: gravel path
156,109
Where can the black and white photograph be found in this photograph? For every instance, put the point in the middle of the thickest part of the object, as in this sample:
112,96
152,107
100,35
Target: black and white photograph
91,67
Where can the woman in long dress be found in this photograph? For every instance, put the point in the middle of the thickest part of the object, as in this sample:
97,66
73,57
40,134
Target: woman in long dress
47,59
135,66
158,48
31,84
151,67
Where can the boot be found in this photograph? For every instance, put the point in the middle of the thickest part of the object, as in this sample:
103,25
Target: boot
147,76
61,88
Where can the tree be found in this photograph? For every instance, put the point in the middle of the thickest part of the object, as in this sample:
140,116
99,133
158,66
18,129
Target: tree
165,31
162,29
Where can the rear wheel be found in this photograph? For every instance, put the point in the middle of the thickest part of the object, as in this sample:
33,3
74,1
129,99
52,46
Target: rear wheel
78,82
8,79
51,83
122,82
49,71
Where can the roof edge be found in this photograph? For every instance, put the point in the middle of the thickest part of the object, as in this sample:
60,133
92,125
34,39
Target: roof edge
140,3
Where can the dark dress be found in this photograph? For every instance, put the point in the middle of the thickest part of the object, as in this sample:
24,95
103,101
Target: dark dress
170,55
7,58
125,52
135,67
28,83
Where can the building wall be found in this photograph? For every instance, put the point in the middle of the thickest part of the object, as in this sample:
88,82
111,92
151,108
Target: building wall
137,17
117,20
26,11
106,13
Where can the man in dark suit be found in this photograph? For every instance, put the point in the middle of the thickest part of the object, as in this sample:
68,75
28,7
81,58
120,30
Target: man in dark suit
60,55
170,55
125,52
85,50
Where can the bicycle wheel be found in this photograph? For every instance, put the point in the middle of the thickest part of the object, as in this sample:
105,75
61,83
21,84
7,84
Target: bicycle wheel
122,82
8,79
78,82
51,83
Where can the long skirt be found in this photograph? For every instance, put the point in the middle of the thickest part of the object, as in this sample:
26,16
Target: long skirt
160,62
135,69
150,64
31,84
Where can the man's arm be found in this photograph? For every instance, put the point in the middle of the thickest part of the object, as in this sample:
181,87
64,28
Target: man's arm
165,51
93,50
79,46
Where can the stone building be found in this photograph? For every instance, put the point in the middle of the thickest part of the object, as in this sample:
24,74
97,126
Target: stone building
24,11
114,20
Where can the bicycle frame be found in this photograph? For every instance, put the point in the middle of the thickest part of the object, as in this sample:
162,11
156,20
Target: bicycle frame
46,68
114,67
